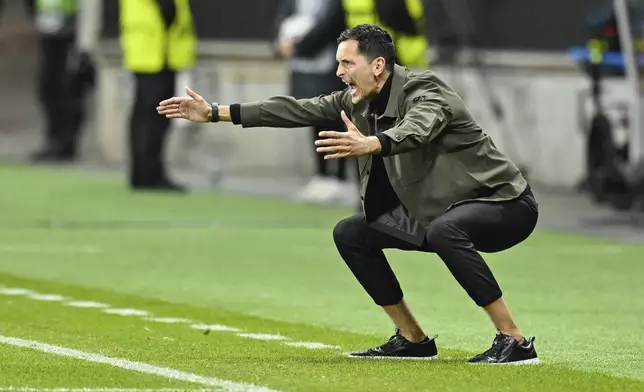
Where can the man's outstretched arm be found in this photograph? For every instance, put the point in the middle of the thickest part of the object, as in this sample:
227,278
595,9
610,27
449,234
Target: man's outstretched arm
279,111
282,112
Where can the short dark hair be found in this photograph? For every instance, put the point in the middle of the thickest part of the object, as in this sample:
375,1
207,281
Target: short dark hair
373,42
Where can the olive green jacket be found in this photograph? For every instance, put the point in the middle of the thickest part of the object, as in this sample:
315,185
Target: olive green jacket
439,155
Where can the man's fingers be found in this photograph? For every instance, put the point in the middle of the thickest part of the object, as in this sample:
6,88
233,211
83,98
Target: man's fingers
332,142
169,101
337,156
346,119
333,134
332,149
174,100
170,111
193,95
167,108
164,112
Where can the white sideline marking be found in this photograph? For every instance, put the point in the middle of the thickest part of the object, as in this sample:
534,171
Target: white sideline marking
311,345
29,389
169,320
214,327
127,312
15,291
134,366
262,336
87,304
46,297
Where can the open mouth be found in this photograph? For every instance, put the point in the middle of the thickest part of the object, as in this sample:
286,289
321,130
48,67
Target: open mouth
352,87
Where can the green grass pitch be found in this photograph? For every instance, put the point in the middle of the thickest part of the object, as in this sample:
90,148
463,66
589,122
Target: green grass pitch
152,271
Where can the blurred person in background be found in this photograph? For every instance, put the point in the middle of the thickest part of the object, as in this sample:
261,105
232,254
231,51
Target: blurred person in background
31,6
450,25
158,39
431,181
64,77
404,20
305,34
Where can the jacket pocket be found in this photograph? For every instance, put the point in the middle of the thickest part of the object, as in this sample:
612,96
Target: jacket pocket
449,181
413,166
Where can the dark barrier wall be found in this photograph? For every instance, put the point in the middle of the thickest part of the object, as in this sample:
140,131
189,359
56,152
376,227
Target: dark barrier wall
531,24
501,24
215,19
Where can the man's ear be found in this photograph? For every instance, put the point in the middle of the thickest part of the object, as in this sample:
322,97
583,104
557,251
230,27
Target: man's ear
378,66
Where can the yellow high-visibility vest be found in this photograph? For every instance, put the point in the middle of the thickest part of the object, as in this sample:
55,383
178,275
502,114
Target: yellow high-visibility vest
411,50
148,45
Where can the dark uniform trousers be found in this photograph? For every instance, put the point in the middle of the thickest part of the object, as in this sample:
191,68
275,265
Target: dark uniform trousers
61,90
456,237
148,130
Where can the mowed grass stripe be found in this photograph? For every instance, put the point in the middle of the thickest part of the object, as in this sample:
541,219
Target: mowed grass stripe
223,355
24,368
12,388
134,366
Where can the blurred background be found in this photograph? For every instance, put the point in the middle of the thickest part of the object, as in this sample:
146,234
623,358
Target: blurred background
554,83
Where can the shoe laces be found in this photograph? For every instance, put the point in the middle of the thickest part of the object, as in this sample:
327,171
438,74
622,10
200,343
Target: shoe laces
396,339
399,338
497,346
396,334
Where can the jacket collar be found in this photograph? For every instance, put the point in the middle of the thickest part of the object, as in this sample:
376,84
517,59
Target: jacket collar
397,82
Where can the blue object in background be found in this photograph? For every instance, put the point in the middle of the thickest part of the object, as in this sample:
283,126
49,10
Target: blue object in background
581,54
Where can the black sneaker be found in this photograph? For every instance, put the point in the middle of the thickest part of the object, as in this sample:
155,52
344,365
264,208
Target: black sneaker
400,348
507,350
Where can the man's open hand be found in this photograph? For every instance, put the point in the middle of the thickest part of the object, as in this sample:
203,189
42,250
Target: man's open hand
193,107
347,144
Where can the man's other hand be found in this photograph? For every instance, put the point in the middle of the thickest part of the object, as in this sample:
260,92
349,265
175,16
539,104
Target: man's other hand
351,143
193,107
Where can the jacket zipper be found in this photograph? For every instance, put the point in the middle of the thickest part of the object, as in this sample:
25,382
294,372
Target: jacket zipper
375,124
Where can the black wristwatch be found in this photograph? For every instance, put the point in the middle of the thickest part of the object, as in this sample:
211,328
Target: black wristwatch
215,112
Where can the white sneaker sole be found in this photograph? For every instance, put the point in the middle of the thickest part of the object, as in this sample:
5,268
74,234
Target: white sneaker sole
393,358
533,361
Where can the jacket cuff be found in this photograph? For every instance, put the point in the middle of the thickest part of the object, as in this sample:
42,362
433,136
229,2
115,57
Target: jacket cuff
235,113
385,143
249,114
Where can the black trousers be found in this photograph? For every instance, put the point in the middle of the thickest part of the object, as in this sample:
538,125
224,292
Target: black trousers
322,165
304,85
456,237
60,97
148,130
